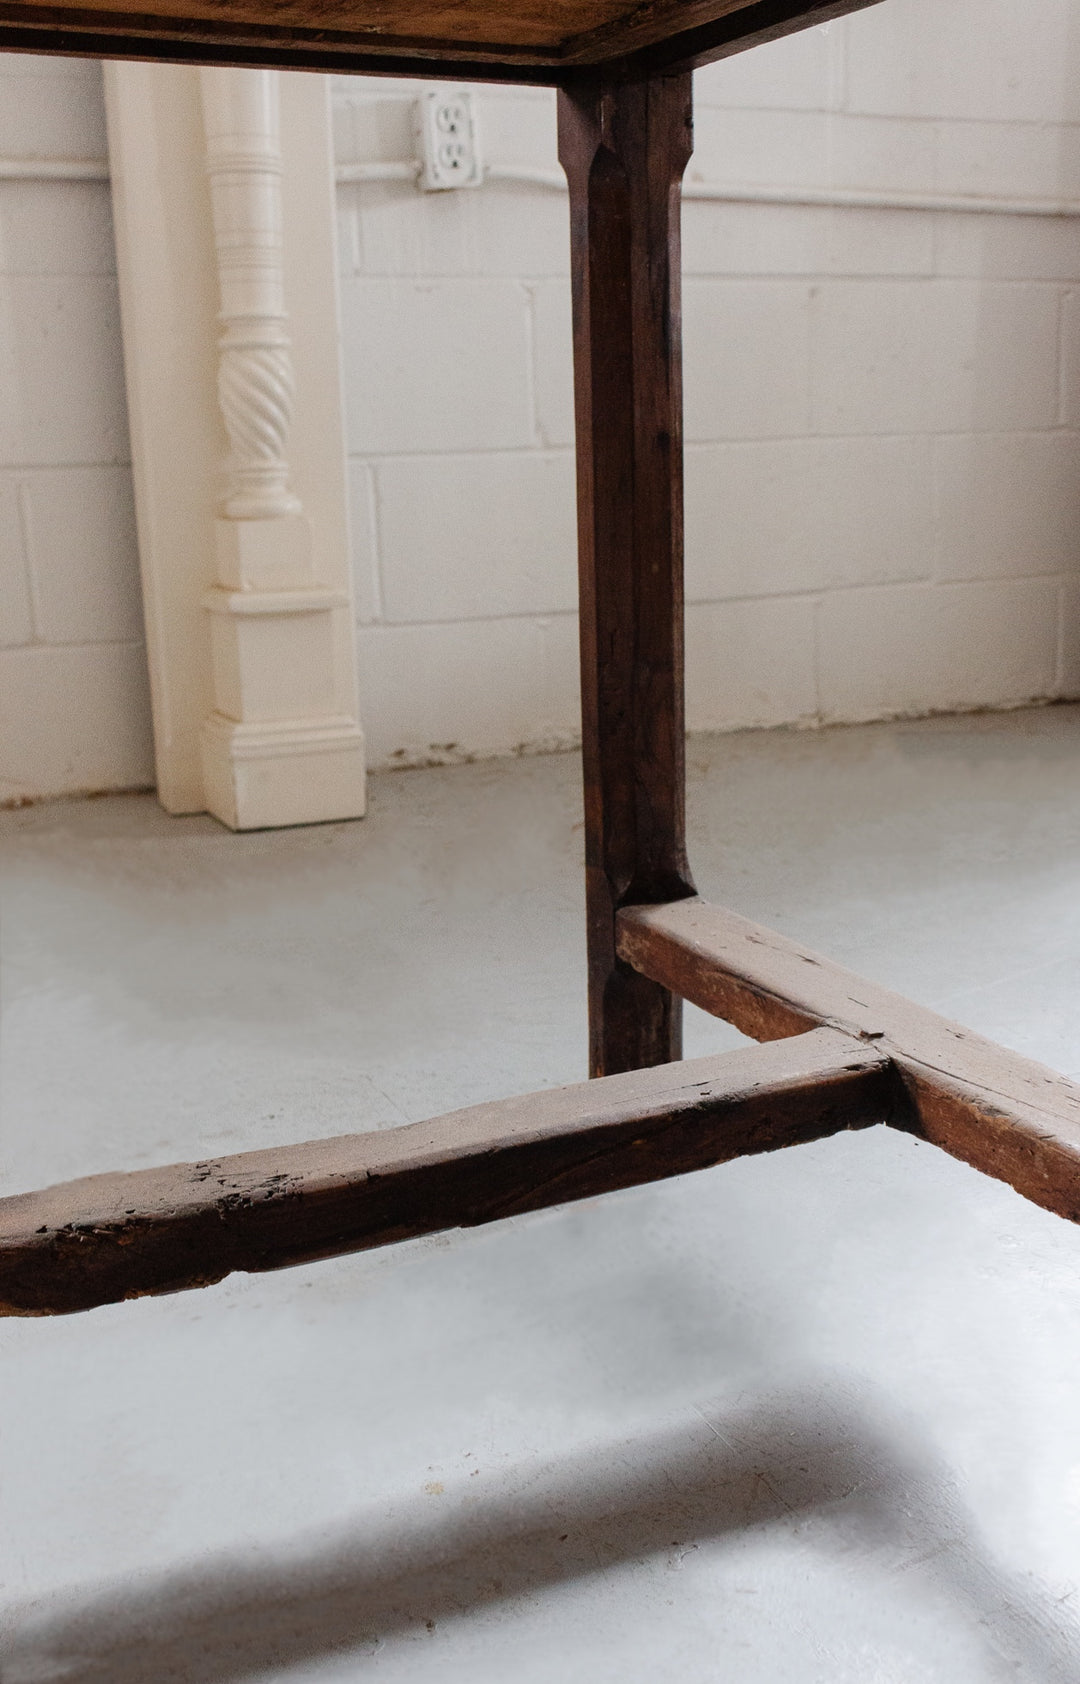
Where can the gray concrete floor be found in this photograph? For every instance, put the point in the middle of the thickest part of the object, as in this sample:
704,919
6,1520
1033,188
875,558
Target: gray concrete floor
811,1419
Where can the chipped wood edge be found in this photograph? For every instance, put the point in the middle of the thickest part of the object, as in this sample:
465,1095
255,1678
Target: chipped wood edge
1001,1113
111,1237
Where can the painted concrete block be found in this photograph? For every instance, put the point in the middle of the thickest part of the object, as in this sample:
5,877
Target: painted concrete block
973,59
467,537
1038,160
16,620
763,147
361,88
553,366
435,366
776,240
791,74
1006,504
56,228
61,371
906,649
520,126
1008,247
43,64
1068,675
370,124
806,515
908,356
75,718
364,543
84,560
426,692
734,239
750,664
1069,393
878,242
747,358
893,155
500,229
347,233
46,114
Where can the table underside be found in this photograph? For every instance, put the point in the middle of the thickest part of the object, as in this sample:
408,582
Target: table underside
539,41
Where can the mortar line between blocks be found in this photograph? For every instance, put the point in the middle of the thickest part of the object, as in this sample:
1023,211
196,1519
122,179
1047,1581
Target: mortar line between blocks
531,372
1062,389
378,590
726,441
26,533
1059,641
39,647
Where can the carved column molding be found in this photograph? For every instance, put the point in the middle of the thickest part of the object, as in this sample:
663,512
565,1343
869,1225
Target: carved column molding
255,374
223,194
282,734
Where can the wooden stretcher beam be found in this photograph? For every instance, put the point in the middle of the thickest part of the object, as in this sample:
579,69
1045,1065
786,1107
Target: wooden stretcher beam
110,1237
1003,1114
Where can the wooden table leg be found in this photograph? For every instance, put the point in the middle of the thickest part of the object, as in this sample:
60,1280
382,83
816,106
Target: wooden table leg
624,147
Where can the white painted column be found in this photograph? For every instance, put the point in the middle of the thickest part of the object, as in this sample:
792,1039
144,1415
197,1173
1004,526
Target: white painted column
231,347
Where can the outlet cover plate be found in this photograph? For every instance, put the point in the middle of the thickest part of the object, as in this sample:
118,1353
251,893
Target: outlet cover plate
449,139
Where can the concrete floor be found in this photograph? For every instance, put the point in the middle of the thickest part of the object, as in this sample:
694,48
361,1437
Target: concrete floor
810,1419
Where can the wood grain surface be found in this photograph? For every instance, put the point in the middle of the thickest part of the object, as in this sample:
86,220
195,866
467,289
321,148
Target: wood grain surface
1004,1114
624,147
539,41
111,1237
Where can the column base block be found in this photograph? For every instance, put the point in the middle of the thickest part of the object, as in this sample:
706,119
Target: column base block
259,776
264,555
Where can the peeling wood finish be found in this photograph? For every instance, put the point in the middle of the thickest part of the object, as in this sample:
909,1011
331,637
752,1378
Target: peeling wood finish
111,1237
1003,1114
538,41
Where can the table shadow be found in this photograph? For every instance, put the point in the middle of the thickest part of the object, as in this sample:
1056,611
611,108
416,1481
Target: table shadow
848,1481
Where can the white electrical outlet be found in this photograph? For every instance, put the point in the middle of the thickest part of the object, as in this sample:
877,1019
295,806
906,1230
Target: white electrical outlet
448,137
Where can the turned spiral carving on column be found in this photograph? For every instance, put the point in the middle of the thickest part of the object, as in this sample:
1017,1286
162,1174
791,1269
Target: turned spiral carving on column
255,373
255,391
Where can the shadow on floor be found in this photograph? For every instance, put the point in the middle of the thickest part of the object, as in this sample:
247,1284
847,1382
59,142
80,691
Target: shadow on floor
810,1459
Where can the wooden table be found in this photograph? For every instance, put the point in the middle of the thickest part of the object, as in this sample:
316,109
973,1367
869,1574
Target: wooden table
844,1053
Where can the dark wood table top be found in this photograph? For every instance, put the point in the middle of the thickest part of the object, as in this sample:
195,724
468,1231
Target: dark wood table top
540,41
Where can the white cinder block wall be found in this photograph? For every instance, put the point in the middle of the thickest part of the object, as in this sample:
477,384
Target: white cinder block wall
883,471
882,406
74,707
